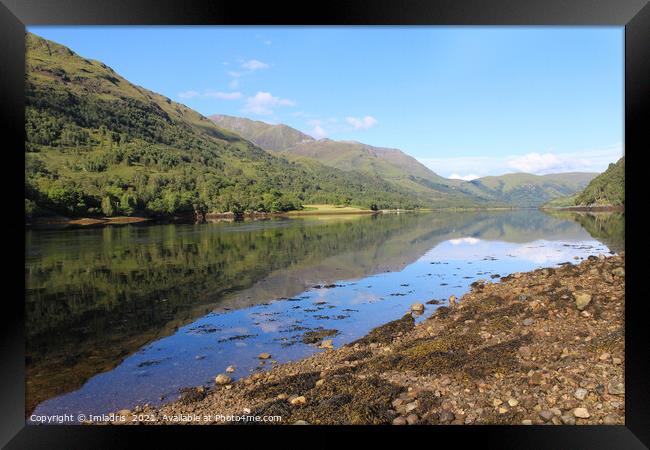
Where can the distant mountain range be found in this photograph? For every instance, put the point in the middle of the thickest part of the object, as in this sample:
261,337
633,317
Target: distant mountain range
400,169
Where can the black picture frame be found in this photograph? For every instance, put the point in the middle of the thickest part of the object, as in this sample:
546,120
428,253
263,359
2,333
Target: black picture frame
634,15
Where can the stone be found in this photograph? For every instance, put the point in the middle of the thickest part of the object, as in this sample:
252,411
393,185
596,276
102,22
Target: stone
513,402
327,343
582,300
546,415
397,402
411,406
526,422
301,422
611,419
417,307
298,401
452,299
282,396
264,355
568,419
230,369
412,419
320,382
528,322
496,402
619,272
614,388
446,416
222,379
399,421
580,393
581,413
604,356
535,379
523,297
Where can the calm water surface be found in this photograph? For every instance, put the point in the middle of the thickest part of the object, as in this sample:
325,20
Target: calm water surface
118,316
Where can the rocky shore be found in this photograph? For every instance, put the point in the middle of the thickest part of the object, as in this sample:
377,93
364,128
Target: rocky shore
543,347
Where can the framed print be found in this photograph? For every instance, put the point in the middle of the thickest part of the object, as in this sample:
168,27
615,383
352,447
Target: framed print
387,218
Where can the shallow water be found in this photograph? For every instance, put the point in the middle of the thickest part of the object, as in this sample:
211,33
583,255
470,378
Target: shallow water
125,315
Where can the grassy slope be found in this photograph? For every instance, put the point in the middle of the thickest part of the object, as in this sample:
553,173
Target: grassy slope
92,137
524,189
388,164
267,136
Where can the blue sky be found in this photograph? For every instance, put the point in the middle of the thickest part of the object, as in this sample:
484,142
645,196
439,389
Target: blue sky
465,101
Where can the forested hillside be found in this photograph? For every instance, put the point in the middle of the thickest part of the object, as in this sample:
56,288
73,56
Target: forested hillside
99,145
607,189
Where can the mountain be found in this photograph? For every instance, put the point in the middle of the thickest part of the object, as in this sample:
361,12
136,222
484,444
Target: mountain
404,171
607,189
267,136
98,145
527,190
389,164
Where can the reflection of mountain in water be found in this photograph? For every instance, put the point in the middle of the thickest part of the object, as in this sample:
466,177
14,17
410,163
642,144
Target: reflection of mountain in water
607,227
96,296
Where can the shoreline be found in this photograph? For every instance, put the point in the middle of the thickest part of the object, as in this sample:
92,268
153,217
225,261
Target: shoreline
83,222
604,208
540,347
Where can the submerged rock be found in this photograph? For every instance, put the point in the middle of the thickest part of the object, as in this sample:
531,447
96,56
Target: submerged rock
417,307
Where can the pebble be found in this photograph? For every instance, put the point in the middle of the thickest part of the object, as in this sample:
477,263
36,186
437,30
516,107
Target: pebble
582,300
610,419
230,369
452,299
580,393
513,402
417,307
568,419
526,422
399,421
446,416
528,322
264,355
581,413
301,422
546,415
222,379
412,419
300,400
614,388
327,343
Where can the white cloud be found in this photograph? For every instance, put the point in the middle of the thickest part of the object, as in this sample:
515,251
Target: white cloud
361,123
263,103
319,132
223,95
594,160
470,177
254,64
188,94
211,94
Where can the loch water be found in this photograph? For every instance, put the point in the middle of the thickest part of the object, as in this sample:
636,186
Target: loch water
125,315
